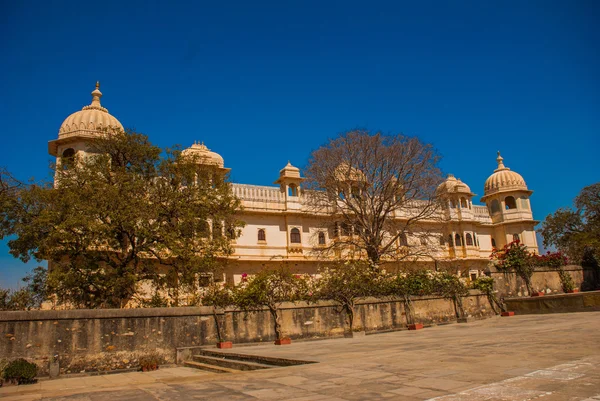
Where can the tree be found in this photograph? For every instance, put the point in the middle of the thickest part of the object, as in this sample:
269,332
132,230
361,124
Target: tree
219,297
486,286
408,285
377,189
448,285
574,231
344,283
270,288
516,257
119,216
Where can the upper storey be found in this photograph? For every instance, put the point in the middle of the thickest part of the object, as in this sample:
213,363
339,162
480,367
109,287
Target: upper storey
89,122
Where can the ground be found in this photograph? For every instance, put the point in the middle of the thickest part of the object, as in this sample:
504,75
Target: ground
534,357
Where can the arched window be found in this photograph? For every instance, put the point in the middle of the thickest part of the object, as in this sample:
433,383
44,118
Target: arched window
423,241
68,158
450,242
458,240
295,236
463,203
403,240
469,239
452,204
442,241
516,237
493,243
262,236
510,202
203,229
321,238
475,240
495,206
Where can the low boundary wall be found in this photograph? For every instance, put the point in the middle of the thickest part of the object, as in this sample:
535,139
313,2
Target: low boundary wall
579,302
112,339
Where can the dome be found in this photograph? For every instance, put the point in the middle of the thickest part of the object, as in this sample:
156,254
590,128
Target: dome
346,173
454,185
204,155
91,120
503,180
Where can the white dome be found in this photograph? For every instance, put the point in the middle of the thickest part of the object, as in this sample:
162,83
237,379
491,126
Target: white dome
503,180
204,155
91,120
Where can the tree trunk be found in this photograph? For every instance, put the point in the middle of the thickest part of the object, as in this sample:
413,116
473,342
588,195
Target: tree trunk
528,285
409,310
276,322
217,326
458,307
349,316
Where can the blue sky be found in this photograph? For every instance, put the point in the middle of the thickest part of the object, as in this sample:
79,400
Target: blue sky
264,82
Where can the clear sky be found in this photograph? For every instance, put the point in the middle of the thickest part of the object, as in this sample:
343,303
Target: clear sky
262,83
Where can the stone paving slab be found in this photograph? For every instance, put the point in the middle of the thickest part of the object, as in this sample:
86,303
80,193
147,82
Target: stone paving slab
534,357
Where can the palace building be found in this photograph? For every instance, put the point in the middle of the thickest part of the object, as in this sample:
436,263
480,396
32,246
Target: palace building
281,227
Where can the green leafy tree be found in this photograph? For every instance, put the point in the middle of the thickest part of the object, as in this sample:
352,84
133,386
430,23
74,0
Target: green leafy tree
409,285
450,286
345,282
219,297
486,286
270,288
125,213
572,231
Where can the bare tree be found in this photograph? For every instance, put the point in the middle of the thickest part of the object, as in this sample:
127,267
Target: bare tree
380,194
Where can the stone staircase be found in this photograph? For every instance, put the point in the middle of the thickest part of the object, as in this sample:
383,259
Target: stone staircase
229,362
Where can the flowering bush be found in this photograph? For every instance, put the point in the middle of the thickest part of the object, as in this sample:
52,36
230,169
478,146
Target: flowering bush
515,257
554,260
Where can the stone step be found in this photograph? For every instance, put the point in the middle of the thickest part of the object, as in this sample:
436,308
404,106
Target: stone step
208,368
265,360
222,362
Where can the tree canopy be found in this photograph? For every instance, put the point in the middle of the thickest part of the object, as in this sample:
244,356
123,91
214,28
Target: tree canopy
377,188
572,231
115,215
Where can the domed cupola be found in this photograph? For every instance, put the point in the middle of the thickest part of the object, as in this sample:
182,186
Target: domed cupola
91,121
453,185
503,180
204,155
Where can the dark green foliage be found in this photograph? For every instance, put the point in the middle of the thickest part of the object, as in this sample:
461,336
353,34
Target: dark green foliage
20,371
115,217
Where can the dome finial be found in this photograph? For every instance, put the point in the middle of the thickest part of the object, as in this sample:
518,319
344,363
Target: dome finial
500,159
96,95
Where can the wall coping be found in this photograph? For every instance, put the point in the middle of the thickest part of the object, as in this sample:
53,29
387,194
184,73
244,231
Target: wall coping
73,314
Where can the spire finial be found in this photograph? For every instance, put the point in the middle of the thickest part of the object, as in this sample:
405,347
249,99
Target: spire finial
96,95
500,159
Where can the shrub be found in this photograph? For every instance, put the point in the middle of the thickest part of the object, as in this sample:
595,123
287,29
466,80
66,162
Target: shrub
20,371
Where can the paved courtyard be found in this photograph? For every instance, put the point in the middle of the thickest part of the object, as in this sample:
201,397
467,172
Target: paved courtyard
534,357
